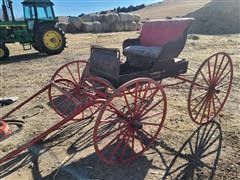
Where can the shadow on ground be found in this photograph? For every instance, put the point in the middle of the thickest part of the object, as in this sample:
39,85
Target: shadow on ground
197,158
23,57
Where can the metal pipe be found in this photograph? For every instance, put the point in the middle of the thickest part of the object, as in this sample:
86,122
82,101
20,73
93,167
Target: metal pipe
4,9
11,9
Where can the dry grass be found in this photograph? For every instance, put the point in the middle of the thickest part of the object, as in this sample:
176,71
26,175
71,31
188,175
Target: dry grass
23,75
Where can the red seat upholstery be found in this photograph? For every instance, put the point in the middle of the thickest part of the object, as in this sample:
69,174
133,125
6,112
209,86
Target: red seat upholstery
160,32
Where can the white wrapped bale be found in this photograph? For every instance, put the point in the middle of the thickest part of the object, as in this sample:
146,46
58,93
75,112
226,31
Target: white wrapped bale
116,27
106,27
63,26
97,27
87,18
136,18
110,18
71,28
133,26
139,26
63,19
126,17
88,27
77,22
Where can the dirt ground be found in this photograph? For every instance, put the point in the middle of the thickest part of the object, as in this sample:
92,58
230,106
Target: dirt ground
183,149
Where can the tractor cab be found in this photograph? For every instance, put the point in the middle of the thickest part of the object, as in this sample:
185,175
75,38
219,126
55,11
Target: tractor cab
37,11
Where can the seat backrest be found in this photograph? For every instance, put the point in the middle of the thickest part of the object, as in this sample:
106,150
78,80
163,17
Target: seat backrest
160,32
105,62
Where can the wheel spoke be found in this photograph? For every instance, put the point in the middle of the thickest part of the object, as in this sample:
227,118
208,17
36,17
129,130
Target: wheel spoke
223,84
220,66
110,132
152,107
219,81
128,106
71,75
218,100
204,77
214,68
150,117
144,96
119,143
125,146
219,76
198,103
199,96
201,108
209,71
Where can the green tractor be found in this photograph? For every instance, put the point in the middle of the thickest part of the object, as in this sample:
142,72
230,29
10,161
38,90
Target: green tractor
37,30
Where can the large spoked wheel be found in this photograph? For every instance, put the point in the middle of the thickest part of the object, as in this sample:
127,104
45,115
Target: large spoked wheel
210,88
66,96
74,71
130,121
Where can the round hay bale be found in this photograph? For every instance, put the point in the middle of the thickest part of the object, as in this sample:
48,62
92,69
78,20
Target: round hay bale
63,27
87,18
106,27
133,26
111,18
88,27
116,27
95,17
139,26
71,28
126,17
63,19
97,27
136,18
76,21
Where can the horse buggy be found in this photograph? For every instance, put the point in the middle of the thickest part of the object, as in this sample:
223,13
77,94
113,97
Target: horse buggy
128,98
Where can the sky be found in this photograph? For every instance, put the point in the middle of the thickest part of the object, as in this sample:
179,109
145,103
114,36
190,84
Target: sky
76,7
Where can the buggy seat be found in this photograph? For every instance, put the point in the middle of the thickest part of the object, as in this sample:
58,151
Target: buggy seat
159,40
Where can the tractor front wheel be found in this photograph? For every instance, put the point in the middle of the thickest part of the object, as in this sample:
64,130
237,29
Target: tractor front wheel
50,40
4,52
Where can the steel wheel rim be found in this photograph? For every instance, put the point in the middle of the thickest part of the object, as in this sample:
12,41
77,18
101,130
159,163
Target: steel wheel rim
52,40
133,133
1,52
218,76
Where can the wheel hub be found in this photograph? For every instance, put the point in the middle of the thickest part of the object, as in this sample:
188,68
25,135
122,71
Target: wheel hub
136,124
212,89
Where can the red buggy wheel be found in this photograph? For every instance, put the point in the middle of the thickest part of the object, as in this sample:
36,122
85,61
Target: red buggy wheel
130,121
67,97
73,71
210,88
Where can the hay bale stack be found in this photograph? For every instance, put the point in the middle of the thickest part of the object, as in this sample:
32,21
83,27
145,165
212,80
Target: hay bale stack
110,22
110,18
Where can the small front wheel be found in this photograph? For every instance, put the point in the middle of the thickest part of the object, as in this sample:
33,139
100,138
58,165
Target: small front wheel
4,52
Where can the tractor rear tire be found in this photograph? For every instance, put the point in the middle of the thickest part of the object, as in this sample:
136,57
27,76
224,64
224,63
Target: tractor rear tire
4,52
50,40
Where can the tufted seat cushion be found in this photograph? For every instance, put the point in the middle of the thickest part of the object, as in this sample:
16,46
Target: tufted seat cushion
143,51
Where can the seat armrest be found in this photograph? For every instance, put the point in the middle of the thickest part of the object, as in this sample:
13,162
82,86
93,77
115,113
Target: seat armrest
131,42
